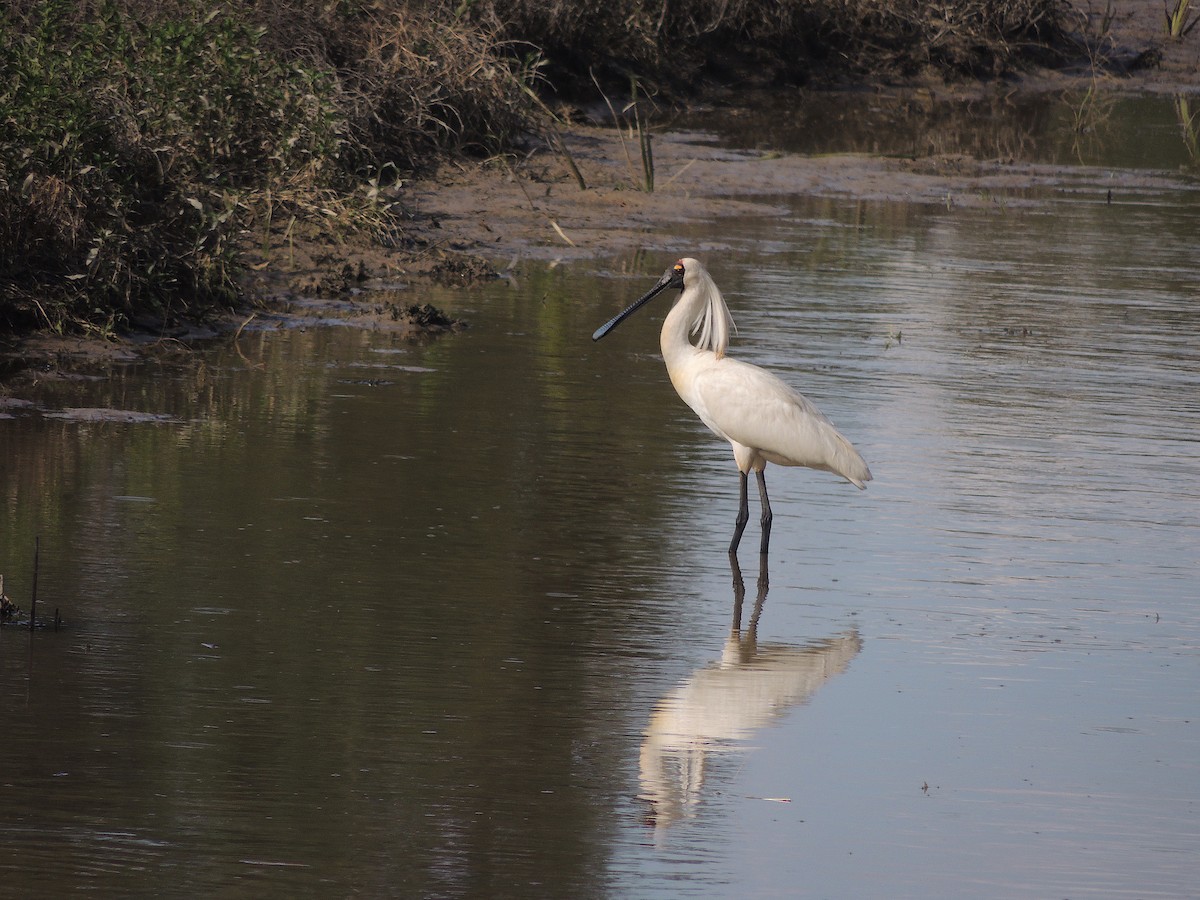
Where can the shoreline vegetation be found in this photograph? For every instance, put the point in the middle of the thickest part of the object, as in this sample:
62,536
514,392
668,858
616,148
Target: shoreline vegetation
154,156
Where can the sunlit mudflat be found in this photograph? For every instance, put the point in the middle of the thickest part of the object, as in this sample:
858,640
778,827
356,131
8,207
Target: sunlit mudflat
350,615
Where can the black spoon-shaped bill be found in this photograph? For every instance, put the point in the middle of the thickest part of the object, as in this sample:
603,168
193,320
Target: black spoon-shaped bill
672,278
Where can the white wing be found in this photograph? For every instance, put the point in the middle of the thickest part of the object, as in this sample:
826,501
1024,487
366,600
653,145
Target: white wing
752,407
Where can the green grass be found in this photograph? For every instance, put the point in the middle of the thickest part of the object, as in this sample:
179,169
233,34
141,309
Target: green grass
138,143
144,142
128,151
1180,20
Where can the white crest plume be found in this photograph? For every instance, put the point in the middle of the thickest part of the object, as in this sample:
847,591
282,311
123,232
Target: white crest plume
714,322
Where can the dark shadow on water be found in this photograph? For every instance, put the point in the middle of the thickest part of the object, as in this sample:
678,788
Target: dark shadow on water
739,592
723,704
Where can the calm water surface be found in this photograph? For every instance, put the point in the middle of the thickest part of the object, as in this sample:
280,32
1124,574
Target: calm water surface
353,615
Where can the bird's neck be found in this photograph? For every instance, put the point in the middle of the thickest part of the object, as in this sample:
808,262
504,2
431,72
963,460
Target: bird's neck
696,307
673,339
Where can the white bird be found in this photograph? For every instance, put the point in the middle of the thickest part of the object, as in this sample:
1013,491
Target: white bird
762,417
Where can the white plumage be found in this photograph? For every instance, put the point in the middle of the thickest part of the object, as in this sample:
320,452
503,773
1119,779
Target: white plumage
763,418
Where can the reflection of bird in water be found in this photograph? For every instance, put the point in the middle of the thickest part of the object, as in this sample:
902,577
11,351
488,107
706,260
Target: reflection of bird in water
764,418
723,704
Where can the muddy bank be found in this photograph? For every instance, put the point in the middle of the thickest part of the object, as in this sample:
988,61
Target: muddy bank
301,278
533,207
539,212
470,219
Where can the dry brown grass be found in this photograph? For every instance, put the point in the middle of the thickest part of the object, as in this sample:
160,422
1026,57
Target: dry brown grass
674,43
415,81
141,137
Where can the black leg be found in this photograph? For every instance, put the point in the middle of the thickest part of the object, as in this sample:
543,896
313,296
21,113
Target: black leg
764,585
739,592
766,511
743,515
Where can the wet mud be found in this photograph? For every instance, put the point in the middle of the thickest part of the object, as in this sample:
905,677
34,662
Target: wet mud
471,220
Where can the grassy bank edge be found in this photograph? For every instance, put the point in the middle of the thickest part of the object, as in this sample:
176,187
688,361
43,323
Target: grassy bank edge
164,159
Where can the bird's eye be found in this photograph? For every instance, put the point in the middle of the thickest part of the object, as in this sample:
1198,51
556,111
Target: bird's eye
679,268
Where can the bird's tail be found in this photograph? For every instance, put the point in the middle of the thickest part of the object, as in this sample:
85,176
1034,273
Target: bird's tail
857,474
848,463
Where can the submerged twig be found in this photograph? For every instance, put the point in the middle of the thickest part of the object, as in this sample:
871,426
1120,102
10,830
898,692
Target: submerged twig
237,343
37,549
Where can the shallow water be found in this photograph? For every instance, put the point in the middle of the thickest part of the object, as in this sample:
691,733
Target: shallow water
349,614
1123,132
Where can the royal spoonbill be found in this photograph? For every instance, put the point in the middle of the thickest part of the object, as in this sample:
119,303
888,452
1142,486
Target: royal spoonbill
764,418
